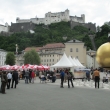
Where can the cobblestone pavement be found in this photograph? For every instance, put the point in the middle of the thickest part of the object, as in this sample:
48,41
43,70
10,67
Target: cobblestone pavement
49,96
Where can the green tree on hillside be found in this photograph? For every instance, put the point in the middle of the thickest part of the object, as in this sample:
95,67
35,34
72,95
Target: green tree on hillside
31,57
10,58
52,33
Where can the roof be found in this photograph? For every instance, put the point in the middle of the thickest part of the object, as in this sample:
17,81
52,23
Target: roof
30,48
54,45
74,41
91,51
49,53
63,62
3,50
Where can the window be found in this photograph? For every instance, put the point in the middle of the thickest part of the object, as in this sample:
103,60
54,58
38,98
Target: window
47,60
71,50
76,49
53,55
53,59
77,57
50,60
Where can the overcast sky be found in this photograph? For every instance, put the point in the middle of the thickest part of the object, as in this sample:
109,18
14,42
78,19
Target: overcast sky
96,11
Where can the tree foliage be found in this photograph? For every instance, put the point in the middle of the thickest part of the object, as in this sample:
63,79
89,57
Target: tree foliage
10,58
52,33
102,36
31,57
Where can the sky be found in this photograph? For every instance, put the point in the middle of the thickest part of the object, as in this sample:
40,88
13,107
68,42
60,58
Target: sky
96,11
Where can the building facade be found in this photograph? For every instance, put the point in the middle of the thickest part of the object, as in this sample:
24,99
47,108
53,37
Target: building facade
51,53
91,59
53,18
76,48
4,28
3,54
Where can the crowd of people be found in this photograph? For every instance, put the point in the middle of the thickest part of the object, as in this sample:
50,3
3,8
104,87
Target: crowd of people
10,79
94,74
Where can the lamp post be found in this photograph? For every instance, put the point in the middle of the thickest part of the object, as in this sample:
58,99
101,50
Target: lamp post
16,49
16,53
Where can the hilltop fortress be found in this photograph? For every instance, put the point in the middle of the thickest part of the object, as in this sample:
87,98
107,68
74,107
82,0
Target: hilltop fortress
24,25
53,18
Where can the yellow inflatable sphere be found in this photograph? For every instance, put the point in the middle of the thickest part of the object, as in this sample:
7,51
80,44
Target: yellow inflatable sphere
103,55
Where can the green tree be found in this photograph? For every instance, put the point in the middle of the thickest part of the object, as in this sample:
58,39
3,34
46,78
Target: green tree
10,58
31,57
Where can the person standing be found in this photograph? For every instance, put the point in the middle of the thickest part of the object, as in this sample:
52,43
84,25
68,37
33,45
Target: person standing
14,79
23,74
96,76
30,72
32,76
70,79
65,78
88,75
62,75
3,82
26,76
9,77
19,75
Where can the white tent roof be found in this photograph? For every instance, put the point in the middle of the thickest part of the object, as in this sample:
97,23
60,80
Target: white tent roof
79,65
63,62
71,60
79,62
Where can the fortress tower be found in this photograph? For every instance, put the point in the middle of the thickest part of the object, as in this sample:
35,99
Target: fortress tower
83,17
67,15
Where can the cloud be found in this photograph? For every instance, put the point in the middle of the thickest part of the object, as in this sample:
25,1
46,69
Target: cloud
96,11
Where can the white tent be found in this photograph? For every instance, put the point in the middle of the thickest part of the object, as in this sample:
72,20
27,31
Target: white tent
71,60
63,62
80,63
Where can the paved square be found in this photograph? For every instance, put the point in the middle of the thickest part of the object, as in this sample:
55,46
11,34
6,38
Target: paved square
50,96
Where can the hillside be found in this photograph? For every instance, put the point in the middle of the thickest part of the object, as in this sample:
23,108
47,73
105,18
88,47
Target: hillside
49,34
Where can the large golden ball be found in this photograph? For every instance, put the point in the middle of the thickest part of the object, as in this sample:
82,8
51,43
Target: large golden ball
103,55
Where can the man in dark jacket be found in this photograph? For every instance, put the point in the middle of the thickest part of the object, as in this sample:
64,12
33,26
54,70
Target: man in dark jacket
62,74
14,78
70,79
3,82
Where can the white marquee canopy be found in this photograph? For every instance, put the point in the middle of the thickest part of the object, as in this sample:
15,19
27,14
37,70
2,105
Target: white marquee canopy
63,62
67,62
